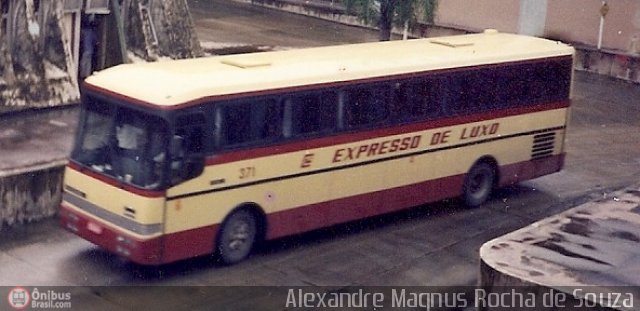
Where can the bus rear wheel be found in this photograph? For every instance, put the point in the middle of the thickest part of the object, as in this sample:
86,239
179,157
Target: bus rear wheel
237,237
478,184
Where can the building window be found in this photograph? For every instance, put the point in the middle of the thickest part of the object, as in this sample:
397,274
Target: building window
36,7
72,5
97,7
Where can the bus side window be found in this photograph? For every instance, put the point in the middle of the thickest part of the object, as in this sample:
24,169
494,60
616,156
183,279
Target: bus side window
250,122
415,101
463,94
552,80
487,94
269,119
313,113
366,105
235,125
513,86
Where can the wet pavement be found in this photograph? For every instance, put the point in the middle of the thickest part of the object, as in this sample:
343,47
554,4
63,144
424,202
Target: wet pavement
36,138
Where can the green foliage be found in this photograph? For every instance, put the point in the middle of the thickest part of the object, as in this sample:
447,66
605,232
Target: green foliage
367,10
399,11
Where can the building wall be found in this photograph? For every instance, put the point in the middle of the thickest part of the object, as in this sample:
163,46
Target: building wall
533,17
33,58
568,20
479,14
160,28
40,44
579,20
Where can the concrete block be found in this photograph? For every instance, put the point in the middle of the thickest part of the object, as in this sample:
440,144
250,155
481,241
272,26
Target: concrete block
618,65
592,246
30,195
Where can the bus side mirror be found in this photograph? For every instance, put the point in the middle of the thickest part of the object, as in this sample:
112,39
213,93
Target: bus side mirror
194,166
184,165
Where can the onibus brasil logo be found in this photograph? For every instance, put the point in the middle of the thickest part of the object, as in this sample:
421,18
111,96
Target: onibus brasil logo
19,298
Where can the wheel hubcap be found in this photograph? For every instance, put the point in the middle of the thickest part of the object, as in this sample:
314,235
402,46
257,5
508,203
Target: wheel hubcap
477,183
239,236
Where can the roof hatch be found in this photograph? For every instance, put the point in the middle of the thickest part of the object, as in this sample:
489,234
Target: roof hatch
451,42
246,62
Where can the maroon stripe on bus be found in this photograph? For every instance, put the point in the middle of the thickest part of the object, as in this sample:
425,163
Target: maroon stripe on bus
343,210
514,173
338,139
201,241
189,243
122,97
159,250
390,200
115,182
147,252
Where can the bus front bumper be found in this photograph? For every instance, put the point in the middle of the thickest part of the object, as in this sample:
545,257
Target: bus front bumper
141,251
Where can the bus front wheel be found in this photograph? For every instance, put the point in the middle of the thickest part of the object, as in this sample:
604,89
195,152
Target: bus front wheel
478,184
237,237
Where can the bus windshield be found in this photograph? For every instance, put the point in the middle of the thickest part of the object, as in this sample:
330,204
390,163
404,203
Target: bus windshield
122,143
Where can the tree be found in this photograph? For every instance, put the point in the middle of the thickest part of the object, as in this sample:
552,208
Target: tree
387,13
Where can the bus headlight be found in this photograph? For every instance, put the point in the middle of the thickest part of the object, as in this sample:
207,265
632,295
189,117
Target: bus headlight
123,251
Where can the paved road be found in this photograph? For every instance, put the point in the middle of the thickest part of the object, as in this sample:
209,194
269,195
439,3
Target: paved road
227,23
435,244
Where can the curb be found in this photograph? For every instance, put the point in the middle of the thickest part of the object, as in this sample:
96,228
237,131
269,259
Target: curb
31,193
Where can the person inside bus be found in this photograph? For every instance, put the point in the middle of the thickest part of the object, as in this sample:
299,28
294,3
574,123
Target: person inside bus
140,156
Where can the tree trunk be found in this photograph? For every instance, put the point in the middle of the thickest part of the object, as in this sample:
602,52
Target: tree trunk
386,19
6,63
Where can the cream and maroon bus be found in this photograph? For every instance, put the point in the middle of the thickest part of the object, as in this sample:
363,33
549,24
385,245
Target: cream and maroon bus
184,158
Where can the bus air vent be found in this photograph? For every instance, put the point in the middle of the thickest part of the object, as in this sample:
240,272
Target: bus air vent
245,63
543,145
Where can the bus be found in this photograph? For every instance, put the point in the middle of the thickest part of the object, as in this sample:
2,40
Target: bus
185,158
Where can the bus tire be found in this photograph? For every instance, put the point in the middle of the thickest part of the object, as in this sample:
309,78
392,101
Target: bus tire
238,236
478,184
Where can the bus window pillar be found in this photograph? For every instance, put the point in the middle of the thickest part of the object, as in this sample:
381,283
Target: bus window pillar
287,122
342,100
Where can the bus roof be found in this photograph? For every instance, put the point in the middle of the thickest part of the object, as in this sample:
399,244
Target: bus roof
177,82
